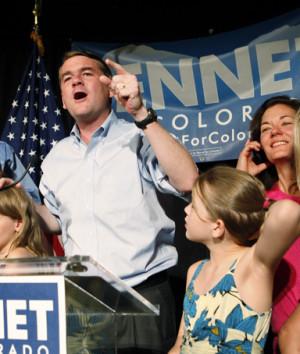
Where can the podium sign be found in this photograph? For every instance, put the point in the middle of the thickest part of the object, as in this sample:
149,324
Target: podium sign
64,304
32,314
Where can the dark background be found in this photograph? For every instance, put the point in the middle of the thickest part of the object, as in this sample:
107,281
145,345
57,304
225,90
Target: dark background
61,22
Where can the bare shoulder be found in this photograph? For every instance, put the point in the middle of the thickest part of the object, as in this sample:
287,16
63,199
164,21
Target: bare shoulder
191,270
284,209
20,252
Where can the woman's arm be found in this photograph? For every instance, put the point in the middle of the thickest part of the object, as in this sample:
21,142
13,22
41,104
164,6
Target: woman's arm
289,334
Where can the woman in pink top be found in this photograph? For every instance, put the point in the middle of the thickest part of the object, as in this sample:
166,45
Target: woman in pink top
269,155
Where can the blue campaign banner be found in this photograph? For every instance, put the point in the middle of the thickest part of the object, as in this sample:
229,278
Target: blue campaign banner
206,90
32,315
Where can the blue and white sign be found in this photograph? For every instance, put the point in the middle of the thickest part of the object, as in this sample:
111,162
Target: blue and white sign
206,90
32,315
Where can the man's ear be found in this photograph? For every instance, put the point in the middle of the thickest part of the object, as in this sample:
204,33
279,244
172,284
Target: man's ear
218,228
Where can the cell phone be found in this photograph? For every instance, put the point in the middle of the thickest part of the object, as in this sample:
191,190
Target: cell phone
259,156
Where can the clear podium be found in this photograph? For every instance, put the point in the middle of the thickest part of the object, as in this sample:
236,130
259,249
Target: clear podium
73,300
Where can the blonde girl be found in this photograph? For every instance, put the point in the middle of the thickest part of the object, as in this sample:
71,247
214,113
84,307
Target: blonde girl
228,301
20,235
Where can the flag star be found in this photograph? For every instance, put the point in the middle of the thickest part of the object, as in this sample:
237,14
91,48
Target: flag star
15,103
12,120
28,111
31,169
11,136
53,142
55,127
43,125
34,137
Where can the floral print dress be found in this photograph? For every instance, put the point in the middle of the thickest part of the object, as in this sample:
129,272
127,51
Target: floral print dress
220,322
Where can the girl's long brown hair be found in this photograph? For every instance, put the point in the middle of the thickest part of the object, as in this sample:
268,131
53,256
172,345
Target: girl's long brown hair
16,204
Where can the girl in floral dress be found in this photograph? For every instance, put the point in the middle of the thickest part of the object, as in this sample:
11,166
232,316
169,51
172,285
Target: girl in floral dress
228,300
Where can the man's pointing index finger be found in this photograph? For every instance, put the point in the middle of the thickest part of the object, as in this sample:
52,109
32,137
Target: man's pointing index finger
117,67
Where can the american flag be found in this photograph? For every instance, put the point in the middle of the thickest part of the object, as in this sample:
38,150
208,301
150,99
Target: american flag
34,123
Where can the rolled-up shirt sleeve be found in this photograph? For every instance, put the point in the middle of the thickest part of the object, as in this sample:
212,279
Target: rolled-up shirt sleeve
151,170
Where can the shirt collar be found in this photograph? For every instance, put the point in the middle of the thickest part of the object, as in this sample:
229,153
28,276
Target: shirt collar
101,131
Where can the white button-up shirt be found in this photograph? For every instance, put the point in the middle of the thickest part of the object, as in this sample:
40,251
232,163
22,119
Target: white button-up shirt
104,196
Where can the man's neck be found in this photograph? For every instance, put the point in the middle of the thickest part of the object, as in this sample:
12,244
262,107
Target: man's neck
87,129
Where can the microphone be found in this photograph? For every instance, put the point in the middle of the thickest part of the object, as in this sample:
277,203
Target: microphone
32,161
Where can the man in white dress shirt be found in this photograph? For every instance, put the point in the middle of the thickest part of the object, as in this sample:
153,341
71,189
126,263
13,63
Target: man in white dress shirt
100,185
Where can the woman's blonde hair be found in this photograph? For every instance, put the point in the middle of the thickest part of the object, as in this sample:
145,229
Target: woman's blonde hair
235,197
16,204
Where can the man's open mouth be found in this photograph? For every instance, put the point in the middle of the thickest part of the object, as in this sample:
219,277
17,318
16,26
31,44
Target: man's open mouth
79,95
